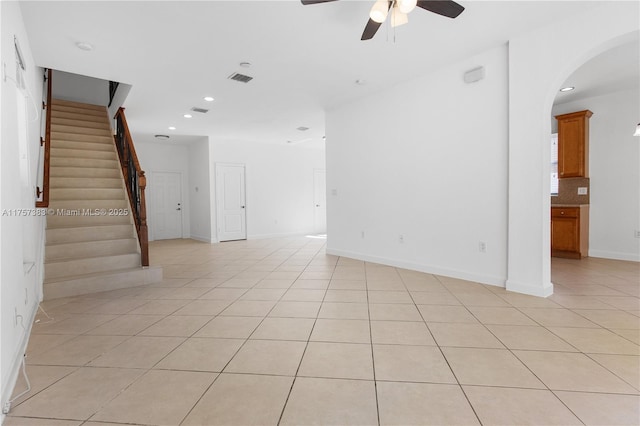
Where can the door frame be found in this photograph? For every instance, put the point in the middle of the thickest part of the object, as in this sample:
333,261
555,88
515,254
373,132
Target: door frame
218,196
315,212
184,195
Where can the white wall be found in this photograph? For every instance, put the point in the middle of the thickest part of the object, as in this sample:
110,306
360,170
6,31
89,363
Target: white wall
21,237
279,185
80,88
428,160
614,163
164,157
200,191
539,62
448,165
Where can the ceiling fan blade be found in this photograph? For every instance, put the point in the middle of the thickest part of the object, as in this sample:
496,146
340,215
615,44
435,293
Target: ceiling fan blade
370,29
447,8
307,2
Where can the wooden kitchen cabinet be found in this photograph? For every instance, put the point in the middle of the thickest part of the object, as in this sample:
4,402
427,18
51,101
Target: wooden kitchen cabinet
573,144
570,231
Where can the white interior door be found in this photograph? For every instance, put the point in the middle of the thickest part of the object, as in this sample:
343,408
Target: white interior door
231,202
167,205
320,200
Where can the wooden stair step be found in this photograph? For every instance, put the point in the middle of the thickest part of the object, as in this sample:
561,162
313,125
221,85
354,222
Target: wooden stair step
78,110
74,267
76,137
56,113
71,182
83,162
101,281
83,153
89,233
62,102
87,193
61,128
89,146
103,125
84,172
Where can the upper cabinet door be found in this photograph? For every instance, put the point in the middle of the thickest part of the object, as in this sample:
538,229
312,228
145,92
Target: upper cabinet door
573,144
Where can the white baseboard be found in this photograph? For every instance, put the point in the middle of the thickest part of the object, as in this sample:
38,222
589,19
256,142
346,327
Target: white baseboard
632,257
203,239
278,235
531,290
429,269
16,363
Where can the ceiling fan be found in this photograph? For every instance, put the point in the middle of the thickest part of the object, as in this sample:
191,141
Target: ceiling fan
399,10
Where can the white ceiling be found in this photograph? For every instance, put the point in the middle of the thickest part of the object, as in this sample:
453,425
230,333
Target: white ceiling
615,70
305,59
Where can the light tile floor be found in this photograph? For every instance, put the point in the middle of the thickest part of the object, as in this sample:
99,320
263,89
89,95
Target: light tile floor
277,332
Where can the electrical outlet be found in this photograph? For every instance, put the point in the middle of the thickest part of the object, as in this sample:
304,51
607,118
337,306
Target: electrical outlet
482,247
582,190
401,238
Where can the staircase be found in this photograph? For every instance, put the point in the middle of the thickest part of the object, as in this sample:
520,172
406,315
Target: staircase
91,242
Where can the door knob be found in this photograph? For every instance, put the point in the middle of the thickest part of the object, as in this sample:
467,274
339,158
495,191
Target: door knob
242,207
178,208
317,205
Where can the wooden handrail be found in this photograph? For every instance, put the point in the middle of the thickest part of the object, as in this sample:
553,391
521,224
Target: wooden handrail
47,148
136,182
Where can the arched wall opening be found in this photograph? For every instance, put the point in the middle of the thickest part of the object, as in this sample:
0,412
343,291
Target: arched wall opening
539,63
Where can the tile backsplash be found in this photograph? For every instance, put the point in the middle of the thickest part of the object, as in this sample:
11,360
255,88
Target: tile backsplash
568,191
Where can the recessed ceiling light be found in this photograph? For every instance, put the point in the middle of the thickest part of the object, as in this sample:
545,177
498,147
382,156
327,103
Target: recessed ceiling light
567,89
162,137
84,46
245,64
187,116
172,127
208,99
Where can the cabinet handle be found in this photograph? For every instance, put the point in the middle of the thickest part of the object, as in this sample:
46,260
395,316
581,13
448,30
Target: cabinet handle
561,212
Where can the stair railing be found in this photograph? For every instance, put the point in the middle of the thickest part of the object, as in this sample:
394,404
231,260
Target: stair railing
42,194
135,180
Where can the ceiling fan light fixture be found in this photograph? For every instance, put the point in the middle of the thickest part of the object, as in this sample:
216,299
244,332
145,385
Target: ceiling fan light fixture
379,11
406,6
398,18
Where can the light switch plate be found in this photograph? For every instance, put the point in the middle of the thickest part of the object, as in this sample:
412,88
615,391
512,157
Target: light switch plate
582,190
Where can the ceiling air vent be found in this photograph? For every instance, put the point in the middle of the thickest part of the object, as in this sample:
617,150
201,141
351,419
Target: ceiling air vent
200,110
302,128
240,77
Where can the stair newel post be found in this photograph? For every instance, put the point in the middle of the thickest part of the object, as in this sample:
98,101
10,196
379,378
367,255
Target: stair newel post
144,233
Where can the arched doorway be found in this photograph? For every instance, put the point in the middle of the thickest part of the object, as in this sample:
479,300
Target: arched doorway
539,63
